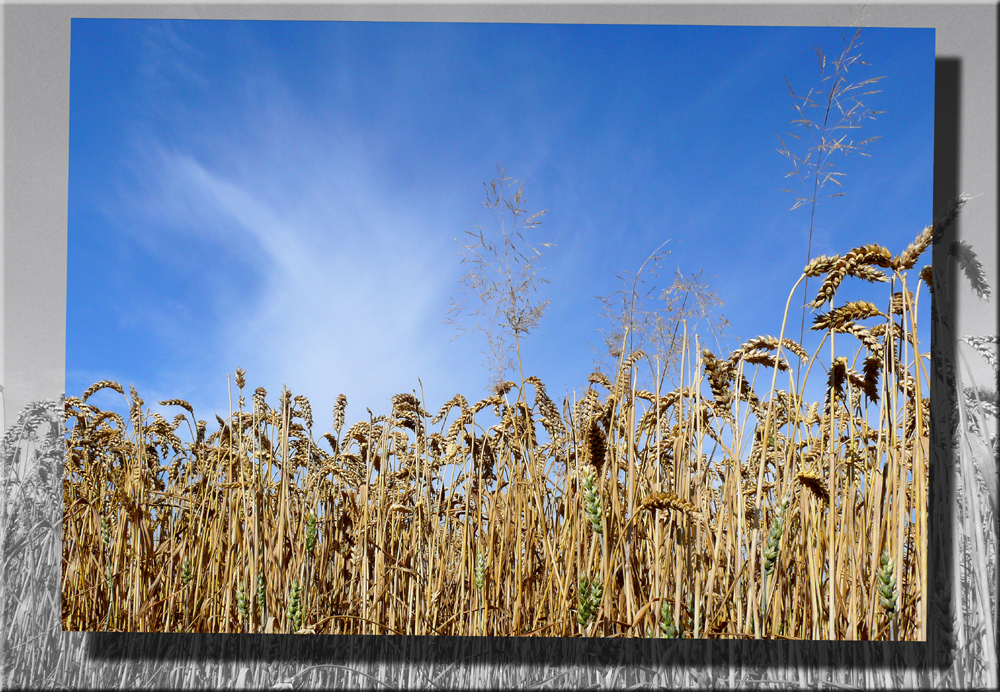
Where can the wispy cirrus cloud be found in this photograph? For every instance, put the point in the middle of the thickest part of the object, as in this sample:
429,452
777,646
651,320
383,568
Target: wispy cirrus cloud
299,262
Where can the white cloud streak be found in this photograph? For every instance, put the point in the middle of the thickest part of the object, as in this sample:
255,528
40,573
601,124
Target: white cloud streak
347,295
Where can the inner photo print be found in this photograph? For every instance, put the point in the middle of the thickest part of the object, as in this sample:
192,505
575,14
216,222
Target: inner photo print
522,330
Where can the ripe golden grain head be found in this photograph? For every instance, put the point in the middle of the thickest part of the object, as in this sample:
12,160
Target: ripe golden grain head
103,384
812,479
598,377
927,276
849,312
821,265
908,257
864,335
595,443
662,500
766,343
871,368
896,307
849,265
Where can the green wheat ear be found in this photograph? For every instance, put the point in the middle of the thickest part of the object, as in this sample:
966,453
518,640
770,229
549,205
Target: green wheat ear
261,596
241,604
106,538
311,533
774,538
105,532
295,606
667,626
887,584
480,570
593,502
590,595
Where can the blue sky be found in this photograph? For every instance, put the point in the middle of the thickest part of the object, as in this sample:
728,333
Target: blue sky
286,196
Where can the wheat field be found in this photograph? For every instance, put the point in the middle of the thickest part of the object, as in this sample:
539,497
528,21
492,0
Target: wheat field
729,507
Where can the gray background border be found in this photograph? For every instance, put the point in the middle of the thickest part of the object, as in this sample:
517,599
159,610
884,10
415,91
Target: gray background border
36,100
